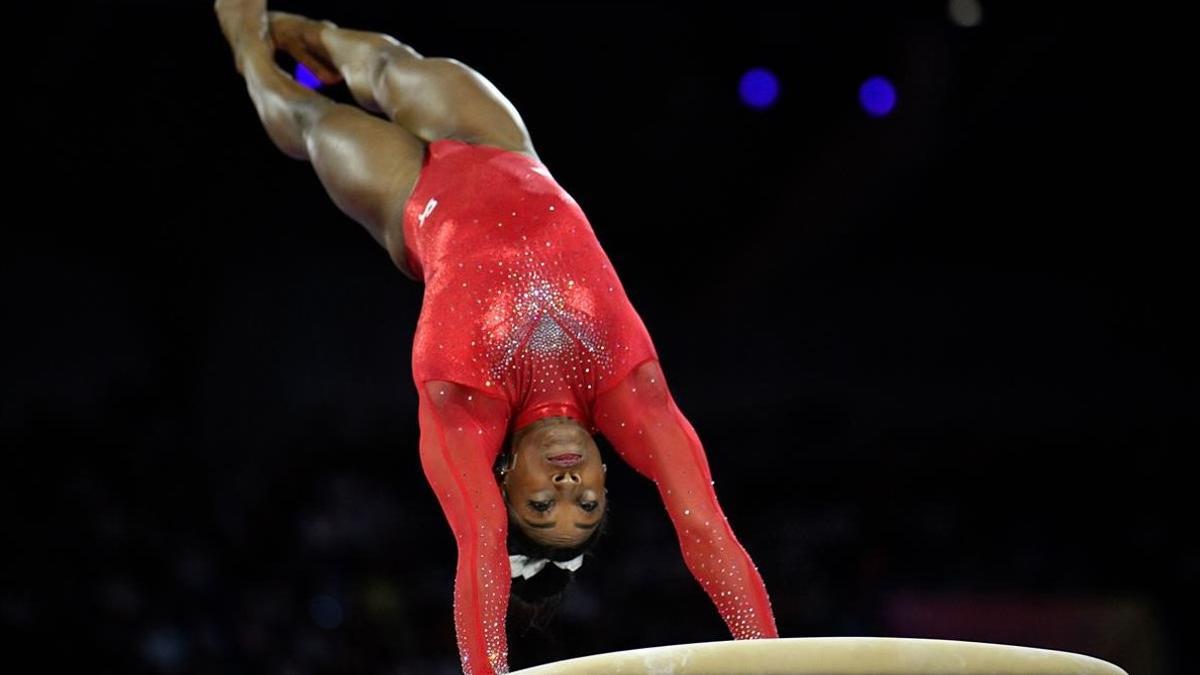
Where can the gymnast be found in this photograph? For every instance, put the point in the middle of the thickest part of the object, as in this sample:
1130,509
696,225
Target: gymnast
526,346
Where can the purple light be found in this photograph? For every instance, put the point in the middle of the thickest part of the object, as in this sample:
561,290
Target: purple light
877,96
759,88
305,77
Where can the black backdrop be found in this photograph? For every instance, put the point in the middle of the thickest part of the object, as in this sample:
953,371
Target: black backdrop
936,358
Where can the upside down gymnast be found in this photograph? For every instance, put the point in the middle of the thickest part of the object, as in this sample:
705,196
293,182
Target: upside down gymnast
526,345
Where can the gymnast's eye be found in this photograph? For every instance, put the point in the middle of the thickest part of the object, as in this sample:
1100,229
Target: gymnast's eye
541,507
588,506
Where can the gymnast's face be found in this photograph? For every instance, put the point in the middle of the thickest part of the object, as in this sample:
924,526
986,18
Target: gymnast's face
555,485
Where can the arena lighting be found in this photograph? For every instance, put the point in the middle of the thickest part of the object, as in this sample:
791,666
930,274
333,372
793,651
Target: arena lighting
759,88
305,77
965,13
877,96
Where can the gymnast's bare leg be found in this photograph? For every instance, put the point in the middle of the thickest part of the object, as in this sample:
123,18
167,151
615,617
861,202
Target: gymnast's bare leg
432,97
367,164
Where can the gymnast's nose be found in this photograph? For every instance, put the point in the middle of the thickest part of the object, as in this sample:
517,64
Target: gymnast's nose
567,478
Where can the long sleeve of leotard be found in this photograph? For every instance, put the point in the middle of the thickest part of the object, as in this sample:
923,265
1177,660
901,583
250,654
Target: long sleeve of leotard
640,418
462,431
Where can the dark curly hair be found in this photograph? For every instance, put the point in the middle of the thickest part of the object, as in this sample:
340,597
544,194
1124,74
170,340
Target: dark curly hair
536,600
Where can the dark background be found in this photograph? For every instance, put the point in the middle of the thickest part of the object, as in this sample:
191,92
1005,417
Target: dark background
936,358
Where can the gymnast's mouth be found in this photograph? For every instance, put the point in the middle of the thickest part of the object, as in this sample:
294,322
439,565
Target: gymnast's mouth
565,460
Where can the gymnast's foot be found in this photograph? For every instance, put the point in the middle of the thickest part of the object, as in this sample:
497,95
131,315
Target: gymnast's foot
300,37
244,24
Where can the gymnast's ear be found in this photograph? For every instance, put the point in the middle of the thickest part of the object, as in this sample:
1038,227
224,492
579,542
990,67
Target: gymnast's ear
501,467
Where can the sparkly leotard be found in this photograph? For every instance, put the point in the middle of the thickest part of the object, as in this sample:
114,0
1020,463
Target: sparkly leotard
523,317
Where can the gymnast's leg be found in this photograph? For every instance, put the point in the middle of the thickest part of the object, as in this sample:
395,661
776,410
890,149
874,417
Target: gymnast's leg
640,418
433,97
367,165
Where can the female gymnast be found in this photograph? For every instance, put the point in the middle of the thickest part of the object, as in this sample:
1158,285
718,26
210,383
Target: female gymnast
526,338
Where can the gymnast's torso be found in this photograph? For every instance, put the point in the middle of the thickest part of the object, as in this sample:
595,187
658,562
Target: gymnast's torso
520,301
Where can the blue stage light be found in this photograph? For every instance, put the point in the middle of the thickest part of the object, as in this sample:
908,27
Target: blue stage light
877,96
759,88
305,77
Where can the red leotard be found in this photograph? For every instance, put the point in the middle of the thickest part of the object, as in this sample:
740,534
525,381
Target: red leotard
523,317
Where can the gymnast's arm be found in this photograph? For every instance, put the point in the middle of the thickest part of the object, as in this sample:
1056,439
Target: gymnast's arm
461,432
639,416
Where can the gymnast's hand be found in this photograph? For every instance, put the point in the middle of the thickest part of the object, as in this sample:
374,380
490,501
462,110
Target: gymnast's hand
300,37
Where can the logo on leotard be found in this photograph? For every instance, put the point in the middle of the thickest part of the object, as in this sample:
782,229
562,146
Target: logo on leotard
429,207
